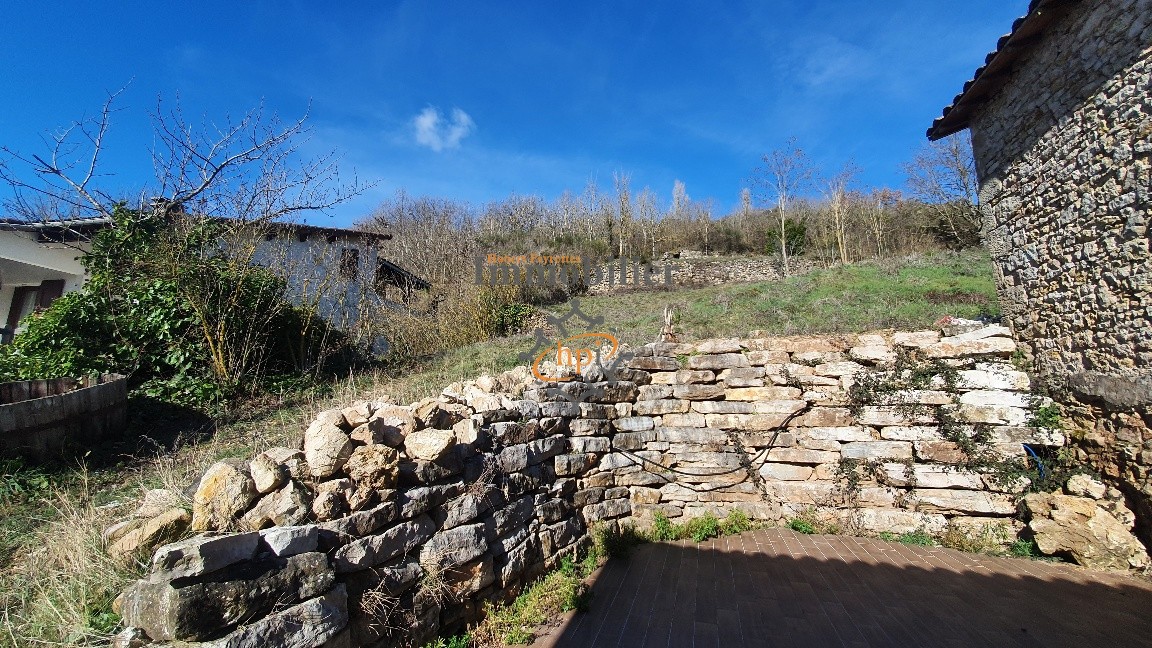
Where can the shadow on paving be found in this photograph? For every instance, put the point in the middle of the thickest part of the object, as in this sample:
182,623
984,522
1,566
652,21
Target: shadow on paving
778,588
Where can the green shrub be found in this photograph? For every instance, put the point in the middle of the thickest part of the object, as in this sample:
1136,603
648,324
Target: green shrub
801,526
164,306
795,237
703,528
616,543
737,521
917,538
1024,549
19,482
662,529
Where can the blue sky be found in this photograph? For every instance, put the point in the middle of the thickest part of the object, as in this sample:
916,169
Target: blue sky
479,100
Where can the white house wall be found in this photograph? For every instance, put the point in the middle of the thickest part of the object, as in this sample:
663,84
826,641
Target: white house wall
26,262
312,271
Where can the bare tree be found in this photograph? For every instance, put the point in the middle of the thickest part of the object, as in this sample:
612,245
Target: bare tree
879,213
786,172
943,176
624,206
836,192
247,170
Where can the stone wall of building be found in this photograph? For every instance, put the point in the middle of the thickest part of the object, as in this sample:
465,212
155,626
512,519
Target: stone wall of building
1064,153
391,524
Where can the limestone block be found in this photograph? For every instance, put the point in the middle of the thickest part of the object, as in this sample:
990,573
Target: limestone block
378,549
981,333
357,414
202,555
292,504
915,339
633,440
287,541
723,407
800,456
606,509
267,474
645,495
877,450
326,447
849,433
655,363
939,451
785,472
654,392
796,492
698,392
877,354
911,433
374,466
898,521
994,398
689,419
964,502
993,377
164,527
590,427
718,361
455,546
884,416
1085,486
657,407
692,377
766,357
580,445
225,491
838,369
932,476
992,414
762,394
429,444
952,348
824,417
1080,529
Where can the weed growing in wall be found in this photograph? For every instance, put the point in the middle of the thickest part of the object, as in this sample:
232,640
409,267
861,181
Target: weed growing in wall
699,529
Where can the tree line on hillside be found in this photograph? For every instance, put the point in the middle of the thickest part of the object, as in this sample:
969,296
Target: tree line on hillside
789,209
175,300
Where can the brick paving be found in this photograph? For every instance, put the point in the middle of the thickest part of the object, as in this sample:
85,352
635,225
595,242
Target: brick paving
776,587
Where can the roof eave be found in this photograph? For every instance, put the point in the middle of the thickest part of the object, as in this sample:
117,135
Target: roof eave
998,66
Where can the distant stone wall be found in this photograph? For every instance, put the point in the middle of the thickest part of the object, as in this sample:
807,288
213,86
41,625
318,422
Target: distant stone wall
700,270
392,524
1064,154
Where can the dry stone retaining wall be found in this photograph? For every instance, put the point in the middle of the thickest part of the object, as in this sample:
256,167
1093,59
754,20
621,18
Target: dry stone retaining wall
395,523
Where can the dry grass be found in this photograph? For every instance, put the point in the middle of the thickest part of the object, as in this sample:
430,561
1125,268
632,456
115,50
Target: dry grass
61,592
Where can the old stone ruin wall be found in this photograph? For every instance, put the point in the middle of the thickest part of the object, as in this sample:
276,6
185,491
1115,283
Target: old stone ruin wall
695,271
1064,152
394,523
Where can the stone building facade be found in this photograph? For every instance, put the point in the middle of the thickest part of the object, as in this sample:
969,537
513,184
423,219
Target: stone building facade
1061,122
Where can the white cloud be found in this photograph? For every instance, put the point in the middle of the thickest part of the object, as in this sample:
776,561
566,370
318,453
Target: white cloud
437,133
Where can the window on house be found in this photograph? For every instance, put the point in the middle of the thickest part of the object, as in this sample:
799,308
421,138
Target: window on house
349,263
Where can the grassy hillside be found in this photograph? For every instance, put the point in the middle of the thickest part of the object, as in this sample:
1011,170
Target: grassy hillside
909,293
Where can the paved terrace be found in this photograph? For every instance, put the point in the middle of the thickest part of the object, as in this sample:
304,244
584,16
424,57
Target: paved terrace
776,587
